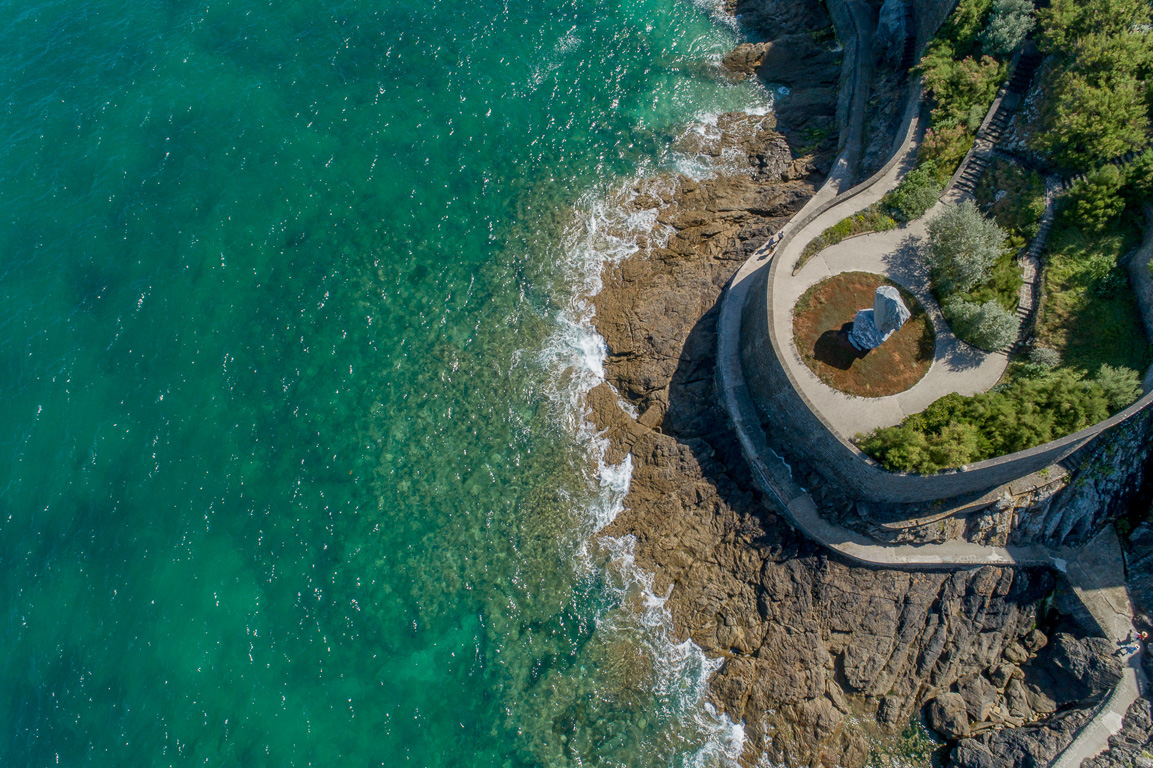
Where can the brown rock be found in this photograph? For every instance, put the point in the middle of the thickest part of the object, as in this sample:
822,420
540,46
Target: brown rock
947,716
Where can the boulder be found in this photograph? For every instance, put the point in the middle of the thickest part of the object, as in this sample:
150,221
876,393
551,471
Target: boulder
973,754
1075,670
948,716
889,311
980,697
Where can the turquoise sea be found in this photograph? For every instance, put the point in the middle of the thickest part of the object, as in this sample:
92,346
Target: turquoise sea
292,466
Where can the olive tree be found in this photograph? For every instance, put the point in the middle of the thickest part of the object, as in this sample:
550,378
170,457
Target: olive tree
986,326
963,246
1009,22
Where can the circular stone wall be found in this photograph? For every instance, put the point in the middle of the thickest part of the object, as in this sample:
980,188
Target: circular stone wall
822,318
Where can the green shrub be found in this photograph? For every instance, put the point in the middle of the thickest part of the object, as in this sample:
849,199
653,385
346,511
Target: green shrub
1009,23
1095,105
1095,201
986,326
915,195
957,430
1046,357
1121,385
963,247
1002,284
962,90
963,26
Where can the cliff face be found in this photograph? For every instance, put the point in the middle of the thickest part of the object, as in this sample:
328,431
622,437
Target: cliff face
824,661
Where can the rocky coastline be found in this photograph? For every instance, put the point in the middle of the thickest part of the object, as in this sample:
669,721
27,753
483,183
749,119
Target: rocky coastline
825,662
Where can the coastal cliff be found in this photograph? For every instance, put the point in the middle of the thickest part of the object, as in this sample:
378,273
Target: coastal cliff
824,661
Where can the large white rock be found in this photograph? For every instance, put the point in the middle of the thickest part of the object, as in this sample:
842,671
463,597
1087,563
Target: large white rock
889,312
871,327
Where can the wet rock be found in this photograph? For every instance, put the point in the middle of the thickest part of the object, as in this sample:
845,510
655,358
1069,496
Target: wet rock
948,716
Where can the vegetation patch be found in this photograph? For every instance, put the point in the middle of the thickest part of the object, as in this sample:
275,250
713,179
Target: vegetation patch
1031,409
975,277
1014,198
916,193
1095,104
1089,313
962,69
822,319
872,219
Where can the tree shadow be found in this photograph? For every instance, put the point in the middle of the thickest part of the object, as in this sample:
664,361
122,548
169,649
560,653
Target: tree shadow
908,266
834,349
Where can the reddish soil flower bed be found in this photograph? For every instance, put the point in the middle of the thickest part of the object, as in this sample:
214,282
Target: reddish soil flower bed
821,323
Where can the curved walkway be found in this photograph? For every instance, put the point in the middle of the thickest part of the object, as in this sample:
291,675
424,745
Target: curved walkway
956,367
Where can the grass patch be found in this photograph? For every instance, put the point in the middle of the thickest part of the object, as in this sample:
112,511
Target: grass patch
820,323
872,219
1089,313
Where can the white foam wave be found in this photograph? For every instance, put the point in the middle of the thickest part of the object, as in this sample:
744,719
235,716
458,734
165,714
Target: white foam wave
608,228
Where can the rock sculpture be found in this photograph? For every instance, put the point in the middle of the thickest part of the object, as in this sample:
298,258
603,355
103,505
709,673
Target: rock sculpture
871,327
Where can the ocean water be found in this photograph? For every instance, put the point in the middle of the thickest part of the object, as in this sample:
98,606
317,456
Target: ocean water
293,470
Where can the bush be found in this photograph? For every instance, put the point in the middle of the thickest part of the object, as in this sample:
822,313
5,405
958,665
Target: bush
961,29
1009,23
963,247
1096,200
1121,385
958,430
963,90
915,195
1046,357
986,326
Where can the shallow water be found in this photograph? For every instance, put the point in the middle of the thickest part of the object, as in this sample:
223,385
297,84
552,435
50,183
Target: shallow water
293,471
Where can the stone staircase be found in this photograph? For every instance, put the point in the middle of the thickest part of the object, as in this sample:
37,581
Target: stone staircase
964,183
1029,259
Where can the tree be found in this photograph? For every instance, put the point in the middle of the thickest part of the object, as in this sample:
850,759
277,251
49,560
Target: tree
1009,22
986,326
963,246
1096,200
1121,385
1088,124
1065,21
